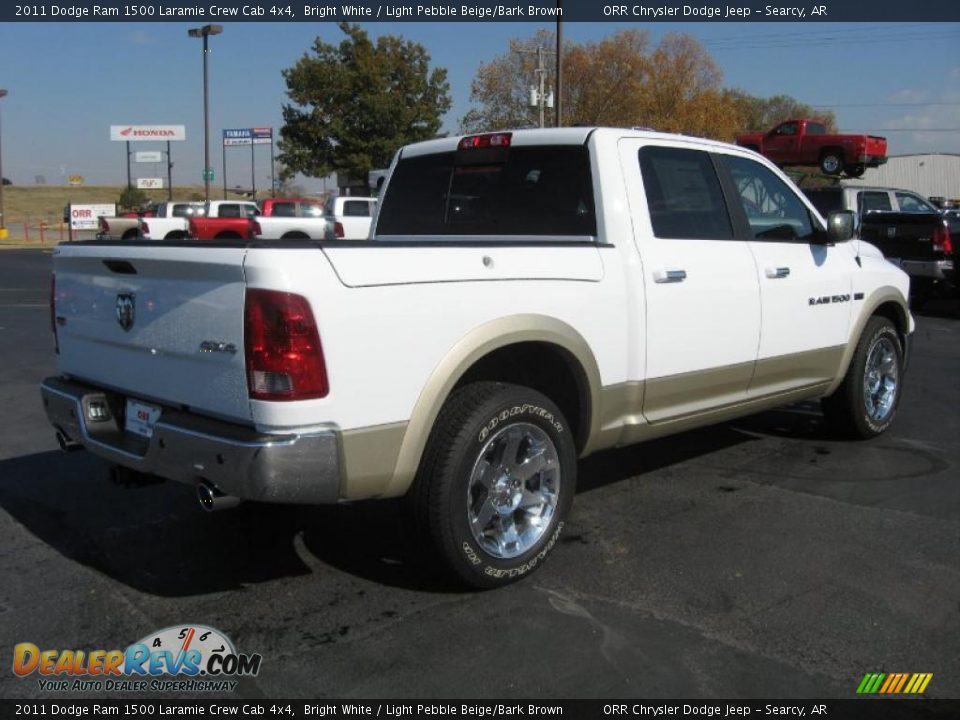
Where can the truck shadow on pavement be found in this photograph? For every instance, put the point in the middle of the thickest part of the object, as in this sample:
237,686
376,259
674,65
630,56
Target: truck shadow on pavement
157,540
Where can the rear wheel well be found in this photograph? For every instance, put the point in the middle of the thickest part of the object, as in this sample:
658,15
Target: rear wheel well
295,235
547,368
131,234
832,150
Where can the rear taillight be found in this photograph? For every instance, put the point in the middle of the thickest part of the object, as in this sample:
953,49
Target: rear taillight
144,227
942,241
53,312
283,352
256,229
104,226
338,230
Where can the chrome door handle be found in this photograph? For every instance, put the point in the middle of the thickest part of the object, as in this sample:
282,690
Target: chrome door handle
669,276
780,272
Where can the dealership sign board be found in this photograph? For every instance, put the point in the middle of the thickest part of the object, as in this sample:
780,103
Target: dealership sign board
247,136
84,217
148,156
149,183
128,133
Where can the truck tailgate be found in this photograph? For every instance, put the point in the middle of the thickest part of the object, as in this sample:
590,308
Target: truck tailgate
907,236
162,324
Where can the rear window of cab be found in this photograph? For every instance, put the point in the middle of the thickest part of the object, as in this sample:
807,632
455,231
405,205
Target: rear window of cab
542,190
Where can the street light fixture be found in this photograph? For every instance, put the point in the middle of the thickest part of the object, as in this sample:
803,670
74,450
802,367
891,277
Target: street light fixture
3,227
205,32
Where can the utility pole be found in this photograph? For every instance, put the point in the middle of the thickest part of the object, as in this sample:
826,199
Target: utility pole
538,94
558,103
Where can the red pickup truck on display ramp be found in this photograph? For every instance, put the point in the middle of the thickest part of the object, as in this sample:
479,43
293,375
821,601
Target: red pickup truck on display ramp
805,141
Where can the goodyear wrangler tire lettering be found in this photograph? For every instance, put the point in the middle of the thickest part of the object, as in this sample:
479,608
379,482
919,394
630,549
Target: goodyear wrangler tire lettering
496,482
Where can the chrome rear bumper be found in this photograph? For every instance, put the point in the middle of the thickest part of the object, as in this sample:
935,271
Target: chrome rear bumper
239,461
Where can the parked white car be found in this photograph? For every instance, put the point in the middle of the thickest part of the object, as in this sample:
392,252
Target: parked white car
527,298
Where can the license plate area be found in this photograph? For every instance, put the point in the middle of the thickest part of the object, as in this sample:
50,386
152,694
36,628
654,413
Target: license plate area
140,417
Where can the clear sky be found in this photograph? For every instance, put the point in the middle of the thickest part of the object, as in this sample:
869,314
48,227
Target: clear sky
68,83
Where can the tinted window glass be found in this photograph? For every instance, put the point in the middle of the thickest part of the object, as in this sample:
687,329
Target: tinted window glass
229,211
284,209
788,129
773,209
542,190
816,128
910,203
683,194
874,202
356,208
183,210
249,211
826,200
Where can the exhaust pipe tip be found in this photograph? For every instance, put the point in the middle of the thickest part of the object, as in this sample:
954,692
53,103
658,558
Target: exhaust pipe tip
66,444
212,500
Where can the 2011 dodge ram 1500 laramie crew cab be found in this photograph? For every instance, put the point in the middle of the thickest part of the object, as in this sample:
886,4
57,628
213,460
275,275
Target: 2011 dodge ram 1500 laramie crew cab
526,298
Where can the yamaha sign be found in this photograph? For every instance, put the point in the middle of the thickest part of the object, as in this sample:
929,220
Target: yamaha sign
128,133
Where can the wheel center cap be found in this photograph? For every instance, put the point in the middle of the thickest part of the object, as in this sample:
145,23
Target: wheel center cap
506,494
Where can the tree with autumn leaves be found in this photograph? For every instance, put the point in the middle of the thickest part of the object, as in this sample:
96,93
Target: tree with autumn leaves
622,81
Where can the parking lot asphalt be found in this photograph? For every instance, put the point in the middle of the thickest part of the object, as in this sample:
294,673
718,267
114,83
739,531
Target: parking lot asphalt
760,558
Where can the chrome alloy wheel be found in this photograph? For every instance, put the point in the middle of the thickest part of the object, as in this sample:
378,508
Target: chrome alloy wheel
513,490
880,380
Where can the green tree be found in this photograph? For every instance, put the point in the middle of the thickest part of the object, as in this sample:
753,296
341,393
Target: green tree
353,105
132,198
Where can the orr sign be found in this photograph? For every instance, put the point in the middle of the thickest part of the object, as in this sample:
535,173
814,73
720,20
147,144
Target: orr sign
84,217
138,133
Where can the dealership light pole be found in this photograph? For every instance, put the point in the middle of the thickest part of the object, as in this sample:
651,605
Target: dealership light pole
3,227
205,32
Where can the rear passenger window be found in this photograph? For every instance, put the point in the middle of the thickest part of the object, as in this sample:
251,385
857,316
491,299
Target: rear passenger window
356,208
684,195
229,211
874,202
284,209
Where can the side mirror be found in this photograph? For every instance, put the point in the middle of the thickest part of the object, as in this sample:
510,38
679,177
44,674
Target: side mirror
841,225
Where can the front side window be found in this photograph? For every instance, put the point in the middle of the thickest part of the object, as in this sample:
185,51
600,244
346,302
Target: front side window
543,190
683,194
910,203
815,128
774,212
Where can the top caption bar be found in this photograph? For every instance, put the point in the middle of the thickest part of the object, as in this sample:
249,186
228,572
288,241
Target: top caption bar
539,11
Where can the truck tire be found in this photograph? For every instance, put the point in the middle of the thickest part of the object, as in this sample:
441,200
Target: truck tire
866,402
496,481
855,171
831,162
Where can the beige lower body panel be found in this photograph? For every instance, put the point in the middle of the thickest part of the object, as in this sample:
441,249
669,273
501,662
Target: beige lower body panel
630,412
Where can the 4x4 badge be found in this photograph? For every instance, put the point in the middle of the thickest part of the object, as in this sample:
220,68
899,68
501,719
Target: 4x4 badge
126,310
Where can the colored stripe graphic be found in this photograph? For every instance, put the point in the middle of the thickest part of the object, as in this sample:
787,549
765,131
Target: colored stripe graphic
894,683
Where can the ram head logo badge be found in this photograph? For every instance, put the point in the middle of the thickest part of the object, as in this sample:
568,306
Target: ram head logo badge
126,310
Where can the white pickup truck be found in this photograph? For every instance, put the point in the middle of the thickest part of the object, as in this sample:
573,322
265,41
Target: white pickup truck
170,220
526,299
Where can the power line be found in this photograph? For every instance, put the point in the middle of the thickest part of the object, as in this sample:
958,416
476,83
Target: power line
913,130
879,104
763,43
